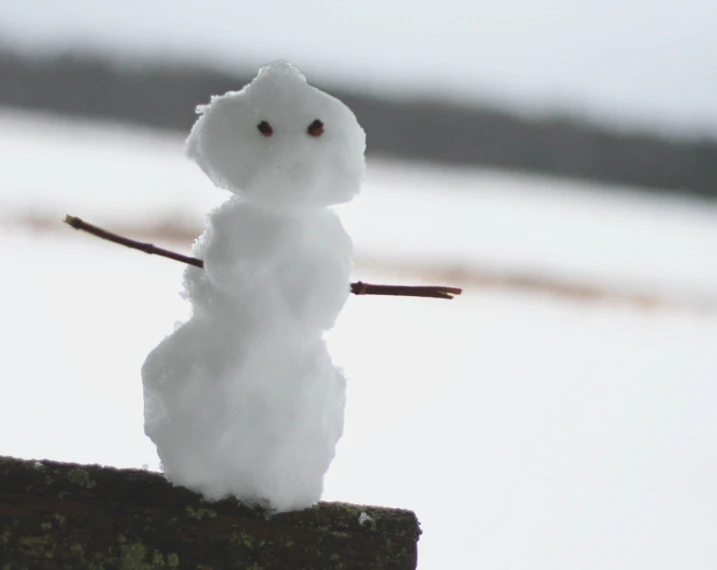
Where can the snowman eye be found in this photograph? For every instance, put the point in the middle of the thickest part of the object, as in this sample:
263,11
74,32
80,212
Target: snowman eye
265,129
316,128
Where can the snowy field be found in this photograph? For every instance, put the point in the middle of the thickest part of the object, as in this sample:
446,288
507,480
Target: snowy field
526,431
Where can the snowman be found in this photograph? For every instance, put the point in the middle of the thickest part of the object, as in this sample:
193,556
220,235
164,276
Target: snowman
243,398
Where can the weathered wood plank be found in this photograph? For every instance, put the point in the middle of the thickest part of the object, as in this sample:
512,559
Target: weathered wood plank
58,516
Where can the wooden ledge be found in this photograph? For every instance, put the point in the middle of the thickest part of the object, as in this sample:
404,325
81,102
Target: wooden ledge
57,516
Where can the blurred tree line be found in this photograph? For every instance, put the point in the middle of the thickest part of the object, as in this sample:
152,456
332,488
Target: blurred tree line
165,96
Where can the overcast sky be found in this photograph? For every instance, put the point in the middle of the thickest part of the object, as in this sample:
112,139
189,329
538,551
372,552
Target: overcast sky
632,61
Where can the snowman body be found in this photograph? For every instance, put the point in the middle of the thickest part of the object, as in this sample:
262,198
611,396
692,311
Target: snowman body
243,399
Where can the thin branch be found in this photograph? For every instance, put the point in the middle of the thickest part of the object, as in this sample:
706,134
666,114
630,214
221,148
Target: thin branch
80,224
358,288
437,292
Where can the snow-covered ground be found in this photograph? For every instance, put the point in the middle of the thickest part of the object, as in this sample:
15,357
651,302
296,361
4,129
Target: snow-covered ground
430,215
526,431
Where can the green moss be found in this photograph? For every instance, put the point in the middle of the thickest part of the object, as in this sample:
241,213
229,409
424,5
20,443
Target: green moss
132,557
157,559
61,519
38,546
200,513
81,478
242,537
46,526
76,549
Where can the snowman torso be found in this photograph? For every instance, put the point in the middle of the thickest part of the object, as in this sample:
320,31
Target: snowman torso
295,265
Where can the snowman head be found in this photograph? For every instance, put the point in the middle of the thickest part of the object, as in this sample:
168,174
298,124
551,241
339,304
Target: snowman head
280,142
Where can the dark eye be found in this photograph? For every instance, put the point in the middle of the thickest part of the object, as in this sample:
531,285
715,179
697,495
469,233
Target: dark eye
265,129
316,128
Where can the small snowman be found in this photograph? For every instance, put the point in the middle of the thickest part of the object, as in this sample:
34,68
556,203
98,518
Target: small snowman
243,399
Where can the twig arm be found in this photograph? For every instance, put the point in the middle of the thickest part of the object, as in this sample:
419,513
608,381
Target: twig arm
80,224
358,288
435,291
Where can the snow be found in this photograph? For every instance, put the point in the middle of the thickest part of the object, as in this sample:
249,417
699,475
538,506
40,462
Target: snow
364,518
285,166
243,399
526,431
458,218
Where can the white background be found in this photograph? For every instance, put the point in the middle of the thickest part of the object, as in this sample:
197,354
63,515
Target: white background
527,430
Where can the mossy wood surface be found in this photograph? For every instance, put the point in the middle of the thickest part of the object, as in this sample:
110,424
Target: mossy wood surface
64,516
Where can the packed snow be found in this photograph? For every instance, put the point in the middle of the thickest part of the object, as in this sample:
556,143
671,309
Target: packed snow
243,399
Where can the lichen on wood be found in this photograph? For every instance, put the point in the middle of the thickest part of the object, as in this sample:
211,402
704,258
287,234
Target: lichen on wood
61,516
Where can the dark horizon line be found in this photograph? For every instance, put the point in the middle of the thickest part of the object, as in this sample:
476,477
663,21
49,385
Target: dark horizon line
426,129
